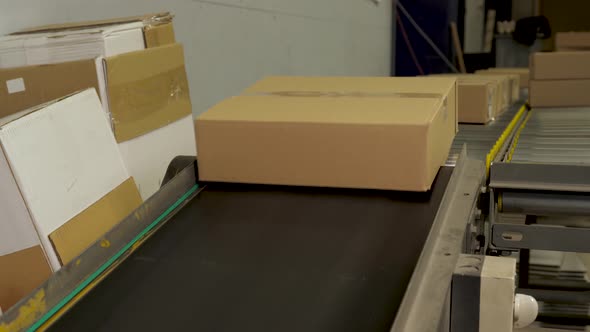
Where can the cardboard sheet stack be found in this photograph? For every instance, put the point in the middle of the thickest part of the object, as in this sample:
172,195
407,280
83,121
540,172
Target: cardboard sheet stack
560,79
63,184
389,133
137,69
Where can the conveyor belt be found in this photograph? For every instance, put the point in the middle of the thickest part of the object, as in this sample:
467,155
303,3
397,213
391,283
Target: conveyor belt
263,258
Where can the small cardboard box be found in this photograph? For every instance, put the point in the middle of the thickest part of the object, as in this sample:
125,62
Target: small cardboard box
496,86
560,65
157,29
142,92
559,93
476,102
513,83
572,41
346,140
524,74
63,185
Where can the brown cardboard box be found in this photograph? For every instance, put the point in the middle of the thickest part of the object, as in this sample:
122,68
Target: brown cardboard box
524,74
559,93
347,140
560,65
476,102
572,41
142,91
407,87
513,83
497,85
158,29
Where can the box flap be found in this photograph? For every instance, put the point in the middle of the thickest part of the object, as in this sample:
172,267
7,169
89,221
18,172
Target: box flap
325,109
147,19
159,35
147,90
25,87
83,230
405,87
22,272
417,86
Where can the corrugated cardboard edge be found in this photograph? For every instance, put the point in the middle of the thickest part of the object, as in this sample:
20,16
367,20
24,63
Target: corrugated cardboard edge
477,113
36,108
44,83
439,142
147,19
147,90
20,273
83,230
159,35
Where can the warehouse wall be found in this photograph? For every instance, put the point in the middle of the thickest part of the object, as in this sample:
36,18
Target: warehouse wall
231,43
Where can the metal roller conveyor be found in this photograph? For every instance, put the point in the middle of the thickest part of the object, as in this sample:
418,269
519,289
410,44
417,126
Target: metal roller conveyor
480,139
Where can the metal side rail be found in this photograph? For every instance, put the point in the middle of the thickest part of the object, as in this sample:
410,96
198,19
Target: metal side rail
423,303
72,282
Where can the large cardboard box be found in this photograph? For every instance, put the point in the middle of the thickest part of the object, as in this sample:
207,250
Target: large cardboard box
157,28
407,87
85,40
343,140
63,185
572,41
524,74
560,65
559,93
142,93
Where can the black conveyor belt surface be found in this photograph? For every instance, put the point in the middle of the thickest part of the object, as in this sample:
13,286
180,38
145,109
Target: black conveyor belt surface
264,258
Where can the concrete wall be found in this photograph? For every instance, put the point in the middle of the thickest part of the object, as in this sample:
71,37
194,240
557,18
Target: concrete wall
231,43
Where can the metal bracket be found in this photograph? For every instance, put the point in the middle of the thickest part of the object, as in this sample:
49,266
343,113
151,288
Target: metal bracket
422,307
529,176
541,237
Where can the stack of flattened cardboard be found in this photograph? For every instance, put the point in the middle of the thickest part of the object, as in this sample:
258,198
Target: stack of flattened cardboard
572,41
63,185
523,73
481,97
137,69
377,133
560,79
